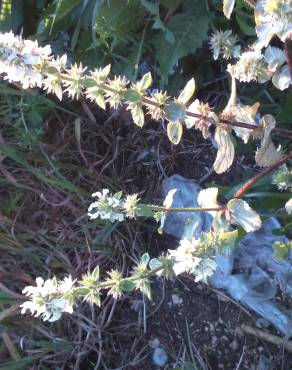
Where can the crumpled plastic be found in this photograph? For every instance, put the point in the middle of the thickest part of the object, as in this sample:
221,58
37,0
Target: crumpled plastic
250,274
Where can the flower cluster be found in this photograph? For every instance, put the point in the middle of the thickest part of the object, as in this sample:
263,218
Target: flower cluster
224,43
19,58
283,178
273,17
252,65
49,298
107,206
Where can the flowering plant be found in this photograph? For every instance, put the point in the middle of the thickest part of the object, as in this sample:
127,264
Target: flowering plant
24,63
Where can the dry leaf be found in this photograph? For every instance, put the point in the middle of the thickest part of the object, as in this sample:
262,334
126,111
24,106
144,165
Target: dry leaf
267,153
225,153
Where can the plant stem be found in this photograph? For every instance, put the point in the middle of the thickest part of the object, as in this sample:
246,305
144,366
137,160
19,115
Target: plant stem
277,131
195,209
260,175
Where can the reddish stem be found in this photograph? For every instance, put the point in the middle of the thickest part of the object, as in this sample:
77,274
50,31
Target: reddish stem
260,175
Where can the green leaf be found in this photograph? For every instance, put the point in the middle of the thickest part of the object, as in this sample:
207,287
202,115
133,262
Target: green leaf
281,250
128,285
62,9
244,26
187,92
144,210
175,111
154,263
174,132
189,31
132,96
11,15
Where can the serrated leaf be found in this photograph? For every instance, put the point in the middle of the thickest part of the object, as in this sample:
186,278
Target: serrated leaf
225,153
228,6
267,153
174,132
189,31
187,92
138,115
243,215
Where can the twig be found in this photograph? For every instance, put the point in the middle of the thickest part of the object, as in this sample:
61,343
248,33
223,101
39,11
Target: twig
260,175
271,338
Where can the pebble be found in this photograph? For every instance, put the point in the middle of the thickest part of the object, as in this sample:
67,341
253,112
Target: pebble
233,345
176,299
159,357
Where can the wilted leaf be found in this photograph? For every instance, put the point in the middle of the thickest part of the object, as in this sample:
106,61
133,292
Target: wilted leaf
225,153
267,153
244,113
228,6
174,132
187,92
243,215
138,115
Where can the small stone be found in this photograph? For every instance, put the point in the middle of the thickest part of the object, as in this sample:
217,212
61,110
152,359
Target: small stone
159,357
176,299
233,345
154,343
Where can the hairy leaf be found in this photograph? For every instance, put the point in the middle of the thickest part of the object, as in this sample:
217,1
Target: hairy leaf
243,215
174,132
228,6
225,153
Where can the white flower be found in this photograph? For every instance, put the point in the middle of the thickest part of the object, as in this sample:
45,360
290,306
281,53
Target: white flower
223,42
107,207
251,66
273,17
18,59
184,258
288,206
48,299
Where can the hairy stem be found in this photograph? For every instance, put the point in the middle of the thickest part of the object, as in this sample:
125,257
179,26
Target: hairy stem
194,209
260,175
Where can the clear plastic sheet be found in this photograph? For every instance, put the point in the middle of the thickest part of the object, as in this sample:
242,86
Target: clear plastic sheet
250,274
